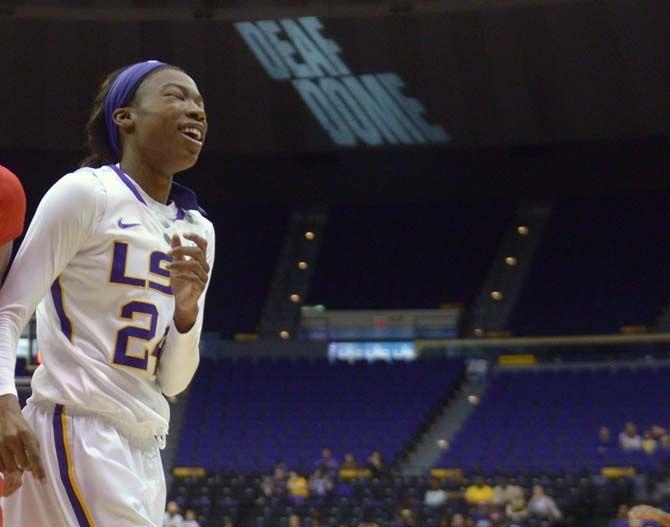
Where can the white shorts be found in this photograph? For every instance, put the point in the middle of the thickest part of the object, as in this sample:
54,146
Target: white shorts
94,477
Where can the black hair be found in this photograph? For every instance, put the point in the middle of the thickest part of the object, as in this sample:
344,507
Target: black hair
97,144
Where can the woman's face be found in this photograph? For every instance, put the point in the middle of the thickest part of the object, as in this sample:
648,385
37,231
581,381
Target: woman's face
168,123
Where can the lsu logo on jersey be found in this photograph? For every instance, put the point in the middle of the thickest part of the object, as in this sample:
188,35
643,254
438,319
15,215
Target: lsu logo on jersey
158,279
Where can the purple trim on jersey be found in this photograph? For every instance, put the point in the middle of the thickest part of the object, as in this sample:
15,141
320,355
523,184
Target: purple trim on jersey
120,92
57,295
128,183
158,350
183,197
59,440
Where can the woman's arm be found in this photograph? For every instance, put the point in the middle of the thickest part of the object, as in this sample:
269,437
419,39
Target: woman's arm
181,355
65,218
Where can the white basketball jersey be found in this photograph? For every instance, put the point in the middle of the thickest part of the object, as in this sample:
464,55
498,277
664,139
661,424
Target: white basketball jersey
107,317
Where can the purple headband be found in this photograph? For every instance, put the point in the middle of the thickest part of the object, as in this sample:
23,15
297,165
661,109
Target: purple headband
119,92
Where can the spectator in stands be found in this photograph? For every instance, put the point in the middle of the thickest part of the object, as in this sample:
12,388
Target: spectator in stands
479,492
457,520
455,495
542,506
484,516
349,462
517,512
376,464
657,432
649,444
279,482
266,486
172,517
368,520
294,521
604,440
317,519
621,519
664,453
320,484
504,492
406,518
298,490
327,462
435,496
629,439
190,519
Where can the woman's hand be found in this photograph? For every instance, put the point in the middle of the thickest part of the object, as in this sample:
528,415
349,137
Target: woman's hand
189,272
19,449
12,482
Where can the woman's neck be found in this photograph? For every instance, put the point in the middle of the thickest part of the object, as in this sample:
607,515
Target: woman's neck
154,182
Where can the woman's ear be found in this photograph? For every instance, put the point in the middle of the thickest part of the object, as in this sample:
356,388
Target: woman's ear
124,119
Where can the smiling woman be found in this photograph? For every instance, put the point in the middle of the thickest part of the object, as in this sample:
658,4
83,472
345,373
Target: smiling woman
147,111
164,124
119,257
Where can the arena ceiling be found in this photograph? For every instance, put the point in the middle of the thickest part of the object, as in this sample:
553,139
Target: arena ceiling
243,9
536,96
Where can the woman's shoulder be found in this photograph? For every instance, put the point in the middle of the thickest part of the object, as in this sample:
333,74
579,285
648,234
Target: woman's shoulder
82,180
82,186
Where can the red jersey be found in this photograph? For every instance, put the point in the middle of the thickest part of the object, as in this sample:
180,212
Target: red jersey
12,206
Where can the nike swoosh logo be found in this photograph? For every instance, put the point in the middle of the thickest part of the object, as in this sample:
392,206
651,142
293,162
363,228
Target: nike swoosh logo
126,225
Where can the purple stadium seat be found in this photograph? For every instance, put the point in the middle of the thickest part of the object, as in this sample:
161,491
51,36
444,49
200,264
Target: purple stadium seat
532,422
247,416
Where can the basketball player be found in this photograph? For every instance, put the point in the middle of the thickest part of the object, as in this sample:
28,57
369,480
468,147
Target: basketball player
118,258
12,215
